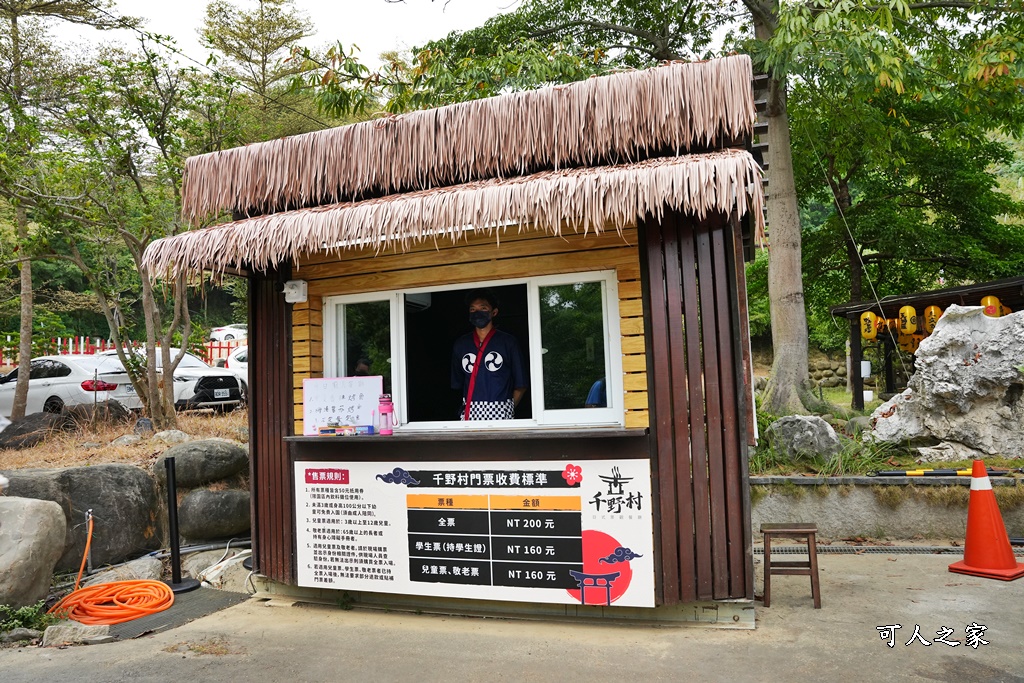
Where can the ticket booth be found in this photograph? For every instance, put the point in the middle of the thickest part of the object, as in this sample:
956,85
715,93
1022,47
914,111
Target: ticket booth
609,219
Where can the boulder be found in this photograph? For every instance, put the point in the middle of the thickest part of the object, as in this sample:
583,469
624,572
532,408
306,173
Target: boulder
803,436
207,514
968,388
142,569
857,425
200,462
143,426
947,452
31,541
219,570
17,635
107,412
74,633
126,440
171,436
32,429
123,501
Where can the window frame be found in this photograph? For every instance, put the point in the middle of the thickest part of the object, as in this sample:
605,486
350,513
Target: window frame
613,415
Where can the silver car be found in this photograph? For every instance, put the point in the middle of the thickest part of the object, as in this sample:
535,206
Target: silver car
197,385
58,381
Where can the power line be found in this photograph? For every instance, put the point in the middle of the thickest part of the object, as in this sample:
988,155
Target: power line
156,39
849,232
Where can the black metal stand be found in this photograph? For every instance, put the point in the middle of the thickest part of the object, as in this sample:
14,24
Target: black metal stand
177,584
247,563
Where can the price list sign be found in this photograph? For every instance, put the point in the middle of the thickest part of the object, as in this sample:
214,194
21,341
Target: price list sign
536,532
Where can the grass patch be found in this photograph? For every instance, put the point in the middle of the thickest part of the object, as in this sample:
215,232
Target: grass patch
758,493
65,449
1009,497
857,457
30,616
890,496
838,397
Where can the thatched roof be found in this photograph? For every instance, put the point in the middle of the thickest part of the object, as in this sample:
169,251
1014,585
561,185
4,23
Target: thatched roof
622,118
580,200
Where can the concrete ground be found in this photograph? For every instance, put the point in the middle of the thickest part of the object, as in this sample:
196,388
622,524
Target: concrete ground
793,642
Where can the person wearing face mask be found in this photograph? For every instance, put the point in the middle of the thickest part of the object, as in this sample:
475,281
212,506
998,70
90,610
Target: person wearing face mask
487,365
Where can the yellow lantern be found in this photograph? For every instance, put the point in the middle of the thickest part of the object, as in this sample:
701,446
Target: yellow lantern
931,317
893,324
992,306
868,328
1004,310
916,339
908,320
906,343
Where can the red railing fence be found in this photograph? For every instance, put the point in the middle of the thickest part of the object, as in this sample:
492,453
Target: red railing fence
211,352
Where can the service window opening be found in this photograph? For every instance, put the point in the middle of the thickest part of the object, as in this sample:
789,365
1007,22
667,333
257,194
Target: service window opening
433,322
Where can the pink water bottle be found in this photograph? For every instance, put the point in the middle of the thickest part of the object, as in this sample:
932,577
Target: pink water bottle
385,416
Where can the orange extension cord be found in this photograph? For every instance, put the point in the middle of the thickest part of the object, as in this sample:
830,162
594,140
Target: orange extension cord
115,602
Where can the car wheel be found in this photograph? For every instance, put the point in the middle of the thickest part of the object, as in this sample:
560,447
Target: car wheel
228,337
53,405
244,391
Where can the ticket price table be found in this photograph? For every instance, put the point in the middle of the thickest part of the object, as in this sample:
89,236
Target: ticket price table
495,540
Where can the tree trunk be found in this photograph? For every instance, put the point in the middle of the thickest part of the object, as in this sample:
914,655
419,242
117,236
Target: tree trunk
25,343
789,375
160,387
25,266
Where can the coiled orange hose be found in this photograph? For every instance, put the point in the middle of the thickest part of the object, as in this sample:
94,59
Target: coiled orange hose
115,602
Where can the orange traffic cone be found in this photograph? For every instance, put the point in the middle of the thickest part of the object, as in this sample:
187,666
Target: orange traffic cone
987,550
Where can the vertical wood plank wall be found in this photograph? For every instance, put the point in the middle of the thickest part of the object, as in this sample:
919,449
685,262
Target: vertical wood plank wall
269,422
473,259
699,409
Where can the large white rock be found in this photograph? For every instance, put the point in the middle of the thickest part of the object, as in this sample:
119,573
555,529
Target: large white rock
967,388
31,541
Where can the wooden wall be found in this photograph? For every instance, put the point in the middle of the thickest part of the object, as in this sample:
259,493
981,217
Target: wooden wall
697,321
269,407
470,260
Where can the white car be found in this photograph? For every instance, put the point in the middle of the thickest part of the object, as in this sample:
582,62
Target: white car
229,332
238,363
58,381
197,385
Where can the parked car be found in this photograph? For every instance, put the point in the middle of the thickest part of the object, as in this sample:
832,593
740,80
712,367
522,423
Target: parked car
229,332
197,385
238,363
58,381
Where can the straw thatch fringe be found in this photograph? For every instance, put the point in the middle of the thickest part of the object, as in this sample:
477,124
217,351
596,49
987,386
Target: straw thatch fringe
588,200
612,119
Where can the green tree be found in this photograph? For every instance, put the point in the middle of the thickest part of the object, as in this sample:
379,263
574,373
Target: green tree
898,112
255,48
108,184
20,51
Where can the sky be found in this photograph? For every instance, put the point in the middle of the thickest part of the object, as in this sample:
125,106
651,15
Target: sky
374,25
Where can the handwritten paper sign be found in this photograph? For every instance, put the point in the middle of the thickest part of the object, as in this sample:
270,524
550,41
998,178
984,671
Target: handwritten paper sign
339,402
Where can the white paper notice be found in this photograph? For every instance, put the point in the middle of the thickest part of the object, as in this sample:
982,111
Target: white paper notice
340,402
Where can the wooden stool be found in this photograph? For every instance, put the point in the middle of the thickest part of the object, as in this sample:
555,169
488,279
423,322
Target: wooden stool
808,567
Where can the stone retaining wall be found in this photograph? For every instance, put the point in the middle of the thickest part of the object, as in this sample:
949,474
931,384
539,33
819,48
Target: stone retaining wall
879,507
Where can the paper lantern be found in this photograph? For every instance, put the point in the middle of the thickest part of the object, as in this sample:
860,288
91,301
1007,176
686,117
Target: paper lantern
906,343
916,339
1004,310
992,306
931,317
908,320
868,326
